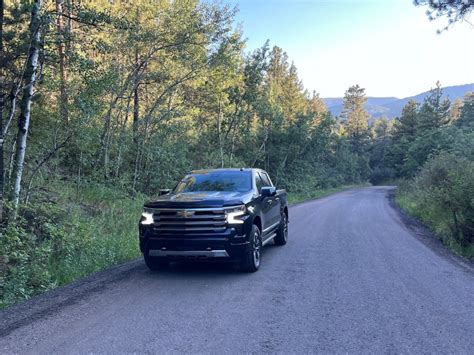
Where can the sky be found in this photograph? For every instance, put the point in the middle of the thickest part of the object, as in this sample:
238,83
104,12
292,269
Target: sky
389,47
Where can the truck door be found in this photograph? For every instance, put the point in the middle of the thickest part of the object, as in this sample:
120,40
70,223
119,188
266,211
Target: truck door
271,205
265,204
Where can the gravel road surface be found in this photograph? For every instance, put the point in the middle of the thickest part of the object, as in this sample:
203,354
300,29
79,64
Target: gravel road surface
352,278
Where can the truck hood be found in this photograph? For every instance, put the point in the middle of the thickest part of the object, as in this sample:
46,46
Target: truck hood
200,199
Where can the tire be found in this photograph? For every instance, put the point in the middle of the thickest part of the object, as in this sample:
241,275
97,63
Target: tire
252,258
154,263
282,232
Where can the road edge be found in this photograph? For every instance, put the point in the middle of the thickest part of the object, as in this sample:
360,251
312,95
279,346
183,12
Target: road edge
50,302
426,236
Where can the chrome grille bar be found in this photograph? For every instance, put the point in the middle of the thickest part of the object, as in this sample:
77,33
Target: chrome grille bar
178,221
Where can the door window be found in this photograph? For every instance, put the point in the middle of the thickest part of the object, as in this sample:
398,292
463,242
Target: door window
258,182
265,179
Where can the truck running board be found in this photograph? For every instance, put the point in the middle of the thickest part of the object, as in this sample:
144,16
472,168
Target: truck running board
269,239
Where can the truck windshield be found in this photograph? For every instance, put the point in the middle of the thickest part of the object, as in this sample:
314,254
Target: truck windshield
235,181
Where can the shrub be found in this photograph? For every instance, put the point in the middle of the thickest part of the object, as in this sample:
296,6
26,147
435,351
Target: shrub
63,236
24,260
443,192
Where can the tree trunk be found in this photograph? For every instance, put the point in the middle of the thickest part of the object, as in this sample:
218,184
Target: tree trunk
11,160
262,148
122,136
70,5
136,92
78,183
106,155
232,148
108,118
140,152
5,180
136,171
63,98
56,147
25,104
2,107
219,132
457,231
136,103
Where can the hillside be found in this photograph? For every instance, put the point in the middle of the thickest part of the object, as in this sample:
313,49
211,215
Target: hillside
391,106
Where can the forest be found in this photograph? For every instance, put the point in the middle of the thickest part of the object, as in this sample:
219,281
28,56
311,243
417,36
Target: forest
103,103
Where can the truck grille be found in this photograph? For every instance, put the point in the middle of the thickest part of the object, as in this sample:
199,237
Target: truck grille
182,222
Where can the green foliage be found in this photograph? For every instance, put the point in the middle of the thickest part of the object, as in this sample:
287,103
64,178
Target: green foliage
357,118
442,196
380,168
406,126
434,112
64,235
453,10
421,133
431,150
23,265
466,118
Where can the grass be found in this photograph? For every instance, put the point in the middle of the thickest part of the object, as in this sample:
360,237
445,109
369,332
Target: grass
103,232
294,197
65,235
435,221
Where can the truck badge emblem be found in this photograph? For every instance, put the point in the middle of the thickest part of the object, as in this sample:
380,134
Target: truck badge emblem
185,213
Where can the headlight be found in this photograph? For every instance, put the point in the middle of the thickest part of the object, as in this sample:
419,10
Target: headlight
147,218
233,214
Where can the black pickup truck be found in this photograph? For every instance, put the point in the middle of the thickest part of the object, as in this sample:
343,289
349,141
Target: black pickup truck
220,214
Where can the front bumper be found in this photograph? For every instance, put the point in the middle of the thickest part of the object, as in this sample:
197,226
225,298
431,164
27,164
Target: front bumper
230,244
200,254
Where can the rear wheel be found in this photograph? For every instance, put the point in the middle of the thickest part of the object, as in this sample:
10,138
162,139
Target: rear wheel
155,263
252,257
282,232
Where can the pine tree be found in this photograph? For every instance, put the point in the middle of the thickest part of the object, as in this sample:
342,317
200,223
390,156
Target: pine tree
318,109
434,112
453,10
406,125
381,128
466,118
455,111
356,117
381,169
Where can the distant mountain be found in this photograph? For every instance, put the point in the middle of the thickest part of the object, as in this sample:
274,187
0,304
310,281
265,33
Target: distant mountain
391,107
374,105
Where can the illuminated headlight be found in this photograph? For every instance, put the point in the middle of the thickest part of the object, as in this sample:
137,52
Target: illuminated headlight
147,218
234,214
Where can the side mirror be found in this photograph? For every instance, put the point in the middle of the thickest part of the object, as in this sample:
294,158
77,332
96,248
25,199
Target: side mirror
268,191
164,192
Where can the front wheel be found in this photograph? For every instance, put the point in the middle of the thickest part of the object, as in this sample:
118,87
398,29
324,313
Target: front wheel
154,263
253,254
282,232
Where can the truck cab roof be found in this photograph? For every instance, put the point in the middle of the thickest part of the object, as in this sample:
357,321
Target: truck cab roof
205,171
